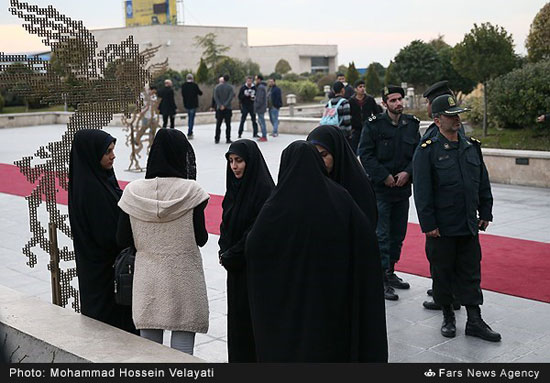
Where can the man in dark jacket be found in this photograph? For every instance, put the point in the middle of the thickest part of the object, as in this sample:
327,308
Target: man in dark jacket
260,105
453,199
386,149
348,89
167,106
247,95
274,103
223,95
190,92
362,106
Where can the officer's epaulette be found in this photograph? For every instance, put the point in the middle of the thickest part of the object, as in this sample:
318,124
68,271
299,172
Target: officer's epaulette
425,144
473,139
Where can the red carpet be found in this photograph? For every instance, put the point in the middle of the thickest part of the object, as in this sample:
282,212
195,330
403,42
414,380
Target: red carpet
510,266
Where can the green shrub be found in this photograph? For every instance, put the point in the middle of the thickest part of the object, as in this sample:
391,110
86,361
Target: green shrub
517,98
304,90
1,103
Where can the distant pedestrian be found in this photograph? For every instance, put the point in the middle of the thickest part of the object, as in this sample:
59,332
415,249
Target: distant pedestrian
274,103
260,105
223,95
362,106
167,106
348,89
337,111
246,96
190,92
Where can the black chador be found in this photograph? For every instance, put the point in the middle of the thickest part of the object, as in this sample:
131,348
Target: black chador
93,213
312,297
347,170
242,202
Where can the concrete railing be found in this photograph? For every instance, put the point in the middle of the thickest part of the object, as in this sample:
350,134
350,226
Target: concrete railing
518,167
32,330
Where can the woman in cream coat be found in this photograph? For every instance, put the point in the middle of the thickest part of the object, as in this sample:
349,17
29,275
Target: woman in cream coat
163,216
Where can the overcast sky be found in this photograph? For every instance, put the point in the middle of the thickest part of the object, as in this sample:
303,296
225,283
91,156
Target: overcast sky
364,31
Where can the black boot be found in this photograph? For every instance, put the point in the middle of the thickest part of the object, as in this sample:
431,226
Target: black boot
389,292
431,305
475,326
448,328
396,282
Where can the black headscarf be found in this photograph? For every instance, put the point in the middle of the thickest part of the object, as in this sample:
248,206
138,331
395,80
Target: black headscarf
171,155
93,213
315,292
243,201
243,197
347,170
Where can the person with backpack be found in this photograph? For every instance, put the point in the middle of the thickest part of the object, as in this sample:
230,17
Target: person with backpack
337,111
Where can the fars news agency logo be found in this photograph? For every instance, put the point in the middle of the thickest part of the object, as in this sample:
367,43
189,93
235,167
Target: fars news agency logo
429,373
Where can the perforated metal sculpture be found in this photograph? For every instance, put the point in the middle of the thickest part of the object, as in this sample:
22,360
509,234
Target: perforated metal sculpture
98,85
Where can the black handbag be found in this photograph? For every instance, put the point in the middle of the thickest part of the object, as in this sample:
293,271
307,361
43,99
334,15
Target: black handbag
124,276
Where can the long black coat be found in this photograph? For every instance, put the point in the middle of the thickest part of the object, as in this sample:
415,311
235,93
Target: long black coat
93,214
243,201
167,104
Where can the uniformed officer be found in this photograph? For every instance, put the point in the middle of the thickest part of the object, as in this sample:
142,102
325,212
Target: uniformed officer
386,148
435,90
453,200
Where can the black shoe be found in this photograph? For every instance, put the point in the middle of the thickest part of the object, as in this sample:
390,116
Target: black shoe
216,141
430,292
481,330
240,135
228,142
448,328
396,282
190,136
389,293
255,136
431,305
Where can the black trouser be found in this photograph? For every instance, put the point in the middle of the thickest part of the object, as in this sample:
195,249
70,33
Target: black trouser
223,115
245,110
391,230
165,120
455,265
353,139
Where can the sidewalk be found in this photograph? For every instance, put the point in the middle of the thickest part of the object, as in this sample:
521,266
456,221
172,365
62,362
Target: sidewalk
520,212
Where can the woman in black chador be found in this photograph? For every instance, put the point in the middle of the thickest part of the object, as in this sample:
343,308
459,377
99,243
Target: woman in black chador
93,213
309,264
344,168
249,184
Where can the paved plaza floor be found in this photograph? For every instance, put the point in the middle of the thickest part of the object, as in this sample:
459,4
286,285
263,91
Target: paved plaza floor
519,212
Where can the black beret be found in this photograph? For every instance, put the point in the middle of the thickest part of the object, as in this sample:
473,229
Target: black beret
437,89
389,89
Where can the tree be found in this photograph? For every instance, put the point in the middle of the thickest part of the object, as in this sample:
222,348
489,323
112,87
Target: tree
236,69
342,69
380,71
352,74
457,82
391,76
282,67
212,52
485,53
538,40
439,43
372,81
202,72
418,64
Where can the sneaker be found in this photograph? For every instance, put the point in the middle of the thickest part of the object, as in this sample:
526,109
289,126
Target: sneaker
255,136
262,139
275,134
190,136
228,141
216,141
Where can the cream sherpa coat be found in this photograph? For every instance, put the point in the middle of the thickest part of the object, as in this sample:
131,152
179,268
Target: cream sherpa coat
169,290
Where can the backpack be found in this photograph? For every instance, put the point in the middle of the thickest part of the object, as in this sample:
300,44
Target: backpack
330,114
124,277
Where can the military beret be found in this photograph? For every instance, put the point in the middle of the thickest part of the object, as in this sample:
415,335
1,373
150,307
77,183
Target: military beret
437,89
392,89
446,104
